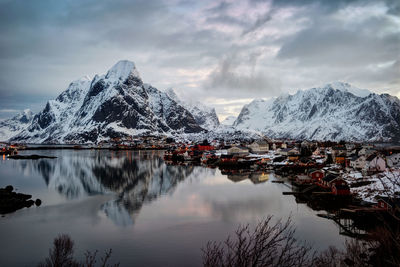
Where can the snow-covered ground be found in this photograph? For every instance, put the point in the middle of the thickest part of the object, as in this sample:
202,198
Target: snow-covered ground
381,184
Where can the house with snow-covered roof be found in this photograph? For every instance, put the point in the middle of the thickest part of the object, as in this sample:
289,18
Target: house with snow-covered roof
374,163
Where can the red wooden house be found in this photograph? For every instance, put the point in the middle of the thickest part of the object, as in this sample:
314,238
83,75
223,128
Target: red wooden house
316,175
340,190
330,180
389,204
204,147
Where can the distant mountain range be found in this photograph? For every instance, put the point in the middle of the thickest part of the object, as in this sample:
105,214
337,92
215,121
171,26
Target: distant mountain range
337,111
119,104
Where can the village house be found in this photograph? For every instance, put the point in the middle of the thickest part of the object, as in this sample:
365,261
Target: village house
374,163
357,163
340,189
389,204
350,146
366,151
329,180
306,143
288,151
339,154
393,160
316,175
238,151
259,147
318,152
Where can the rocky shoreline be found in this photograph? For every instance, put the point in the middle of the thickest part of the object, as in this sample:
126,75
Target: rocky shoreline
12,201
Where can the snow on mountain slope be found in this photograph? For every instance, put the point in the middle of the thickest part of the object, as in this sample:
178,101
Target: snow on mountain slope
228,121
346,87
13,126
205,116
328,113
113,105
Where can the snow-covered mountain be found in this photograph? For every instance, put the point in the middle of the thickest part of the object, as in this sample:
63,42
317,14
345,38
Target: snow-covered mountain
337,111
15,125
205,116
228,121
112,105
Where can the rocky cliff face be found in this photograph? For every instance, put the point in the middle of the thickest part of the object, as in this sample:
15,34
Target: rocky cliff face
336,111
113,105
205,116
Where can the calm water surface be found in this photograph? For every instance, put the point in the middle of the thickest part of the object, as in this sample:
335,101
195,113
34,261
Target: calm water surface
149,213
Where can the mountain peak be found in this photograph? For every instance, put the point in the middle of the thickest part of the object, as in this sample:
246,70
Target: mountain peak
346,87
122,70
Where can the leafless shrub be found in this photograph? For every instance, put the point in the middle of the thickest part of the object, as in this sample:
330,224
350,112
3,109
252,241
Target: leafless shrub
267,245
62,255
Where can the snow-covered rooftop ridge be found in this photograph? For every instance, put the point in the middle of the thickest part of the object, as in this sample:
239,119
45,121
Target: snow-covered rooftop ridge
122,70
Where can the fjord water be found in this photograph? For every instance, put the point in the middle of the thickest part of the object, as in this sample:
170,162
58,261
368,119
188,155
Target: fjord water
148,212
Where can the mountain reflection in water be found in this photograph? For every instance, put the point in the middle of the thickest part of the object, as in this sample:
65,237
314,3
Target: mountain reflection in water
134,177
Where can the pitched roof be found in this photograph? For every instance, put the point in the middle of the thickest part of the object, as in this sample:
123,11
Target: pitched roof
394,202
330,177
341,186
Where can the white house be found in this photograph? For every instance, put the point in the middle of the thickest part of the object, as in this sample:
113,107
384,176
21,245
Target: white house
259,147
375,163
393,160
358,163
365,151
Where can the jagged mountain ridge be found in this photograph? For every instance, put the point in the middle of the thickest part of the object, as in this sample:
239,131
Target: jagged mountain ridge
332,112
112,105
16,124
205,116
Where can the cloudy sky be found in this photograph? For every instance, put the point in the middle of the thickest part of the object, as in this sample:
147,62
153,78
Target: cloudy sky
224,53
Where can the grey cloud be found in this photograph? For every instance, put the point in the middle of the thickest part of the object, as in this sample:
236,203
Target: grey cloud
227,78
340,47
44,45
261,20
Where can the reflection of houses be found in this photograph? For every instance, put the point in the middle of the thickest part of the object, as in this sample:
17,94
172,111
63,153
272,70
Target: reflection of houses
258,178
255,177
237,177
238,151
259,147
